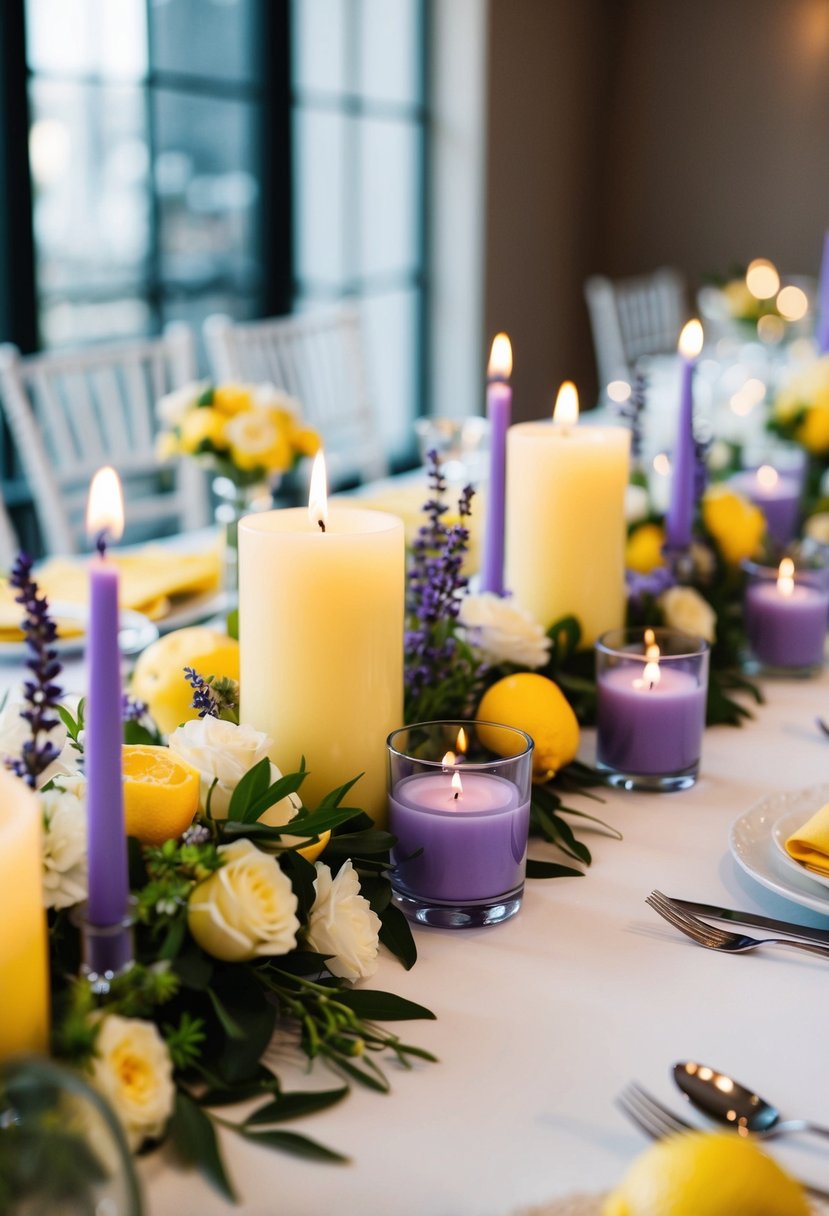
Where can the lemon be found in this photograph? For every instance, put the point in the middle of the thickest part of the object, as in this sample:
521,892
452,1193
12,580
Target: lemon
706,1174
534,704
159,679
161,793
312,851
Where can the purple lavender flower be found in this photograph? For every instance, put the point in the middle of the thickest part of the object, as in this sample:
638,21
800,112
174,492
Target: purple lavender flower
642,588
133,710
204,699
40,691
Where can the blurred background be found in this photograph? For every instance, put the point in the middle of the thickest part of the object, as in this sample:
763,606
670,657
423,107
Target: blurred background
456,166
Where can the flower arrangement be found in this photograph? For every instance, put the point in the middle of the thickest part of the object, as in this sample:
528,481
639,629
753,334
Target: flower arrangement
254,919
248,433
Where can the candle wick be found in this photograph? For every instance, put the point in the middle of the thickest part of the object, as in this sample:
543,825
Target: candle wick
321,523
101,542
455,795
650,686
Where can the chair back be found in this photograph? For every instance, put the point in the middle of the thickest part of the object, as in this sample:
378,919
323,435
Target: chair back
69,412
642,315
317,357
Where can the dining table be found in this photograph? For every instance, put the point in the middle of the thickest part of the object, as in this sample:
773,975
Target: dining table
542,1020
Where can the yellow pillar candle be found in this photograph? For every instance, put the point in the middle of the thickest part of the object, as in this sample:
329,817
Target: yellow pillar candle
565,524
321,642
24,982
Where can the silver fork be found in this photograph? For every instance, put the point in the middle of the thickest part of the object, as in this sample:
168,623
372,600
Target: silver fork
658,1121
715,938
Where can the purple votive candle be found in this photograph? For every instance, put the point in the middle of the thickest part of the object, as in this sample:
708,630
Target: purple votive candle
785,618
778,497
469,848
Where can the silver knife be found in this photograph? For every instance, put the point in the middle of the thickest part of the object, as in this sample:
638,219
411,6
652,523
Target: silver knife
752,918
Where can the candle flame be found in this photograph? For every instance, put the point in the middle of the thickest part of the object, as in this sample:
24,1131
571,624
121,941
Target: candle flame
690,340
566,411
785,577
792,303
457,784
448,760
461,743
500,358
767,477
762,279
651,675
105,507
318,494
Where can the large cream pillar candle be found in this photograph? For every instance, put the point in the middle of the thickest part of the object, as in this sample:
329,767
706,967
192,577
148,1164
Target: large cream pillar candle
565,526
321,638
24,982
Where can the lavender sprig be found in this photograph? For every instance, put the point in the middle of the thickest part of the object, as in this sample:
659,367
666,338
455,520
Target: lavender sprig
439,671
40,691
133,710
212,697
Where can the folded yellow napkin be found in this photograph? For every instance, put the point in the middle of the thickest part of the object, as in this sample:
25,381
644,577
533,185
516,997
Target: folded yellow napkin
810,843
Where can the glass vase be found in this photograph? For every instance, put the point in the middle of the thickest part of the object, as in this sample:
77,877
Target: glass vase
232,502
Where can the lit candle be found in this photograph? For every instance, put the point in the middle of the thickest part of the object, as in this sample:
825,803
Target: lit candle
499,410
650,708
786,617
107,847
321,611
565,522
778,497
24,1009
680,519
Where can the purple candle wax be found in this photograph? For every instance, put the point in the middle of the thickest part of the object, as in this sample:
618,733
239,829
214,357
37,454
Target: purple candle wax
786,630
778,497
649,728
474,847
680,517
499,409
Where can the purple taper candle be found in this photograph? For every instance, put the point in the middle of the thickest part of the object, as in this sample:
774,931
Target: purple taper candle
107,843
499,411
680,520
822,329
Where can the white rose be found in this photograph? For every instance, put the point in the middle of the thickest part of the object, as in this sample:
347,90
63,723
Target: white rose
15,731
64,849
170,410
245,909
341,924
223,752
133,1070
637,504
503,631
685,609
268,396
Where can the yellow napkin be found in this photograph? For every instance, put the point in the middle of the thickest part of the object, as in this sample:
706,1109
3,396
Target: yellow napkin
810,843
407,503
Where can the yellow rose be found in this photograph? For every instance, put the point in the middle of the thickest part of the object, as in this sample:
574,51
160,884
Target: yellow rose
166,446
203,425
643,552
813,431
735,524
684,608
232,399
306,441
257,440
132,1069
245,909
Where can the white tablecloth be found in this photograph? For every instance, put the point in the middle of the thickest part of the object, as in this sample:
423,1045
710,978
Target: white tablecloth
541,1021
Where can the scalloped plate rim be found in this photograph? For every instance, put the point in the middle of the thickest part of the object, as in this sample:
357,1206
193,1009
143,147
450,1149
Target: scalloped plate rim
750,844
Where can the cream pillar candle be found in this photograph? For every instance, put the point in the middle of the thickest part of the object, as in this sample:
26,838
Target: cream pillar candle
565,527
321,635
24,983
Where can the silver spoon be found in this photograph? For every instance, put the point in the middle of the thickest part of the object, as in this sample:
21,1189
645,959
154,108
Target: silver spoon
724,1099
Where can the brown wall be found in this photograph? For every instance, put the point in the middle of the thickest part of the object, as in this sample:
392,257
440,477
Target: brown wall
628,134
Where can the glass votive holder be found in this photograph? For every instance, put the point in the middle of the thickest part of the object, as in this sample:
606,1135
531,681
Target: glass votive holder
652,689
786,612
461,443
459,807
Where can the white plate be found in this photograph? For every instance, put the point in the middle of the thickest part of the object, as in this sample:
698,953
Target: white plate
752,847
136,633
192,610
780,833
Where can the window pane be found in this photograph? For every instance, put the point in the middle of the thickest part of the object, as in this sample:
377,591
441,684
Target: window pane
208,189
211,39
320,203
319,44
389,196
389,50
104,37
89,162
77,322
391,337
194,311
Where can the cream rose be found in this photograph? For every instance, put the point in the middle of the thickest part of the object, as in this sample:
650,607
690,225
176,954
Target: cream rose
14,732
133,1070
64,848
685,609
170,410
245,909
223,752
341,924
503,631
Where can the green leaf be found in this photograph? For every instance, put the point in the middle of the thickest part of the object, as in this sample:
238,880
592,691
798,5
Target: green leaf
262,1083
251,787
229,1025
302,874
295,1105
370,1076
293,1142
274,793
246,1001
382,1006
194,1138
232,624
194,968
174,940
396,935
134,732
355,844
335,797
551,869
